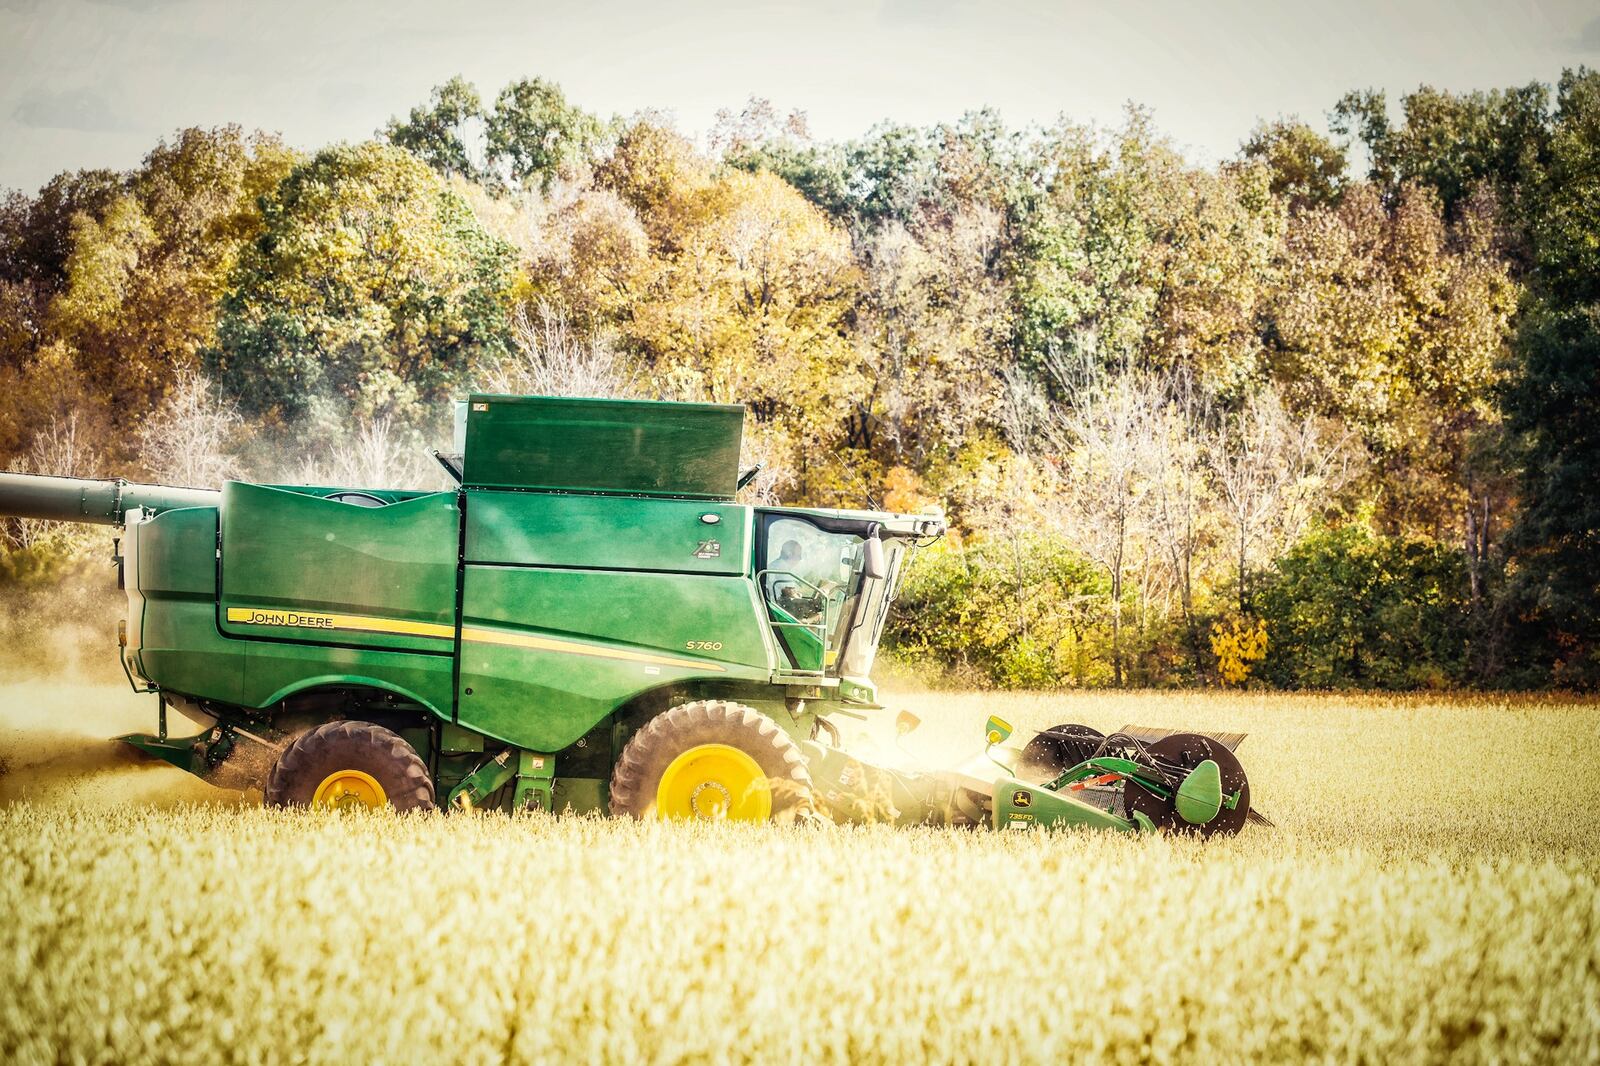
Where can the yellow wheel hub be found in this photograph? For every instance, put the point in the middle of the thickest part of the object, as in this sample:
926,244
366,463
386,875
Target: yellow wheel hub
714,781
349,788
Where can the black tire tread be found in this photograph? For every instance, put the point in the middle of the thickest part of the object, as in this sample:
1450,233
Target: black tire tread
669,734
358,745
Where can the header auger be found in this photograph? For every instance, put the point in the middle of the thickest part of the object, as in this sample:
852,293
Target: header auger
586,622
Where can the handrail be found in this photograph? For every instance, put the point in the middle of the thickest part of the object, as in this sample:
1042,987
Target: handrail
818,629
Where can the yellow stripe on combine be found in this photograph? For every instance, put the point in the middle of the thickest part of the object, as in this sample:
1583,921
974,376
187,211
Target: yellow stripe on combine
260,616
357,623
479,635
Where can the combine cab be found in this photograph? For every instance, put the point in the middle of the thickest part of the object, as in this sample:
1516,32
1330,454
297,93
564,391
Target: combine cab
587,622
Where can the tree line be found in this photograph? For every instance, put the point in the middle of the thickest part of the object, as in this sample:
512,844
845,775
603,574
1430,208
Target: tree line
1322,414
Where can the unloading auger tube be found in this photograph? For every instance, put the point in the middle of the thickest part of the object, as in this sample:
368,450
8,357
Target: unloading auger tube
103,501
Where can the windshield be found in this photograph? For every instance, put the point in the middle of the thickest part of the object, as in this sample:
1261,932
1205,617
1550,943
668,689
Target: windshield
814,587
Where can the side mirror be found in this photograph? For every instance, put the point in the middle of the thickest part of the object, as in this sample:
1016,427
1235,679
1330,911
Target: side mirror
873,564
905,722
997,730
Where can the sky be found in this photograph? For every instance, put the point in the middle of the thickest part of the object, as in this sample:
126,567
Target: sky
95,83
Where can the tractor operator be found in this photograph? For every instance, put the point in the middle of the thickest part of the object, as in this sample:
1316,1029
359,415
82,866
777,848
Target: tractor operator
785,588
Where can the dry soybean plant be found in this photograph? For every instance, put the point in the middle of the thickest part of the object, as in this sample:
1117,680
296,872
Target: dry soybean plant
1416,915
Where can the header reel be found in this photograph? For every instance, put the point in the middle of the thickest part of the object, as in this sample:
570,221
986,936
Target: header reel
1136,779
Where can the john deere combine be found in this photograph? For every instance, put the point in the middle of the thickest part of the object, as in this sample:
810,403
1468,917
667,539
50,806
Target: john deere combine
587,622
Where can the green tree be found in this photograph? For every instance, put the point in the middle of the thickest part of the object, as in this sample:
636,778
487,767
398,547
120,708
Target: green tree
372,288
145,273
1396,323
934,318
1553,402
1450,141
439,132
1347,607
35,237
1080,242
534,134
656,171
862,183
1165,263
35,242
1014,615
1307,168
752,306
1566,228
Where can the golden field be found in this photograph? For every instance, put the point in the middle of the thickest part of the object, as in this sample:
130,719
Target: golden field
1430,892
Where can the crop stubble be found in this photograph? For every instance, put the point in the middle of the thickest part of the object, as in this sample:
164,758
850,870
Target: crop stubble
1430,892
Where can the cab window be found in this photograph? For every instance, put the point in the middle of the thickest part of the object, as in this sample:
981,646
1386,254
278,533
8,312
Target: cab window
810,579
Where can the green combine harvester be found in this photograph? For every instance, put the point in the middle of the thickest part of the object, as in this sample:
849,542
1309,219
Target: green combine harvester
588,622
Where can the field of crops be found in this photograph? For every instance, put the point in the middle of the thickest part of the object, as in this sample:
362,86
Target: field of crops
1430,892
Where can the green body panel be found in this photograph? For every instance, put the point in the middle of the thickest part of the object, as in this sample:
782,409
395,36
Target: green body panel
185,652
289,555
1019,805
548,653
178,555
1199,797
621,446
581,795
275,671
182,650
607,532
454,740
801,644
703,623
181,647
173,606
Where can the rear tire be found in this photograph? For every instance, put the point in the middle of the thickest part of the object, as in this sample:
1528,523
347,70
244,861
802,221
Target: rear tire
711,727
350,763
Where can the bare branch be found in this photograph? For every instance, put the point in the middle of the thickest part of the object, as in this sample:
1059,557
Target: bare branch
551,360
1273,473
186,440
376,455
63,449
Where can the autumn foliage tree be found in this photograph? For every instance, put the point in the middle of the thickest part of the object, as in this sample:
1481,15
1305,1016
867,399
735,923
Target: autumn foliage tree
372,288
1295,388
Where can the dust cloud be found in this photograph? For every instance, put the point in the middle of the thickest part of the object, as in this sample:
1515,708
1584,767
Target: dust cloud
57,746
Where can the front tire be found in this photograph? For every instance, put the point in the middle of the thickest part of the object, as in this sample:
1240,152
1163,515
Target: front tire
350,764
714,760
